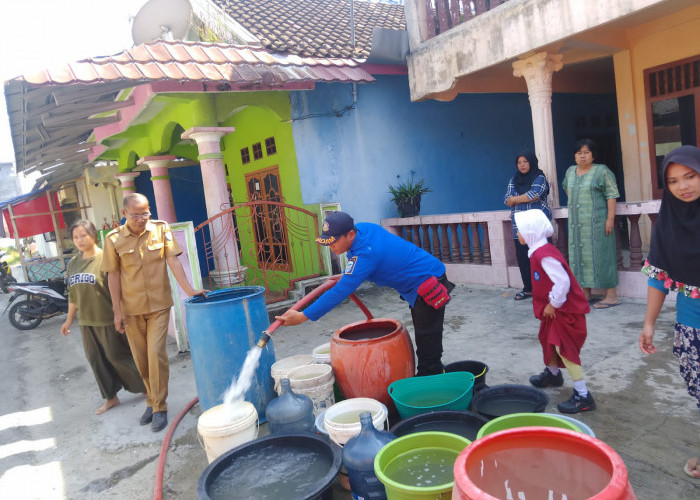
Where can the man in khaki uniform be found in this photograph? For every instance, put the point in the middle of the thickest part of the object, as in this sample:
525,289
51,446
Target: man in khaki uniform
136,256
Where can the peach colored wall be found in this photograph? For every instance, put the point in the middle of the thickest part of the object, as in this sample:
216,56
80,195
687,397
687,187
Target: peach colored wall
659,42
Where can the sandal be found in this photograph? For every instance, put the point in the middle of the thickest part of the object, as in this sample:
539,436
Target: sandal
522,295
692,468
605,305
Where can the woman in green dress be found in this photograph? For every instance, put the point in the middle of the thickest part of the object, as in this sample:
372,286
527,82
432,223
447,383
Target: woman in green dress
592,193
106,349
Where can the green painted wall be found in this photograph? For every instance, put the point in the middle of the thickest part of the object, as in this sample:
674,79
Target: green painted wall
256,116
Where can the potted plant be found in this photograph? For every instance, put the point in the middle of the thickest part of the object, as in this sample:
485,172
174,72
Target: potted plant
407,196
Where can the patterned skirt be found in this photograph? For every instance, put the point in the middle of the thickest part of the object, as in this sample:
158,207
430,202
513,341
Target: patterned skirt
686,347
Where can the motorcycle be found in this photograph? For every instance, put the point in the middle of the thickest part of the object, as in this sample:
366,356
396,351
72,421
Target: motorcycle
43,299
6,277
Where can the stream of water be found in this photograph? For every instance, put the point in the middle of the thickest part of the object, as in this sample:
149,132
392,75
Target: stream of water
239,386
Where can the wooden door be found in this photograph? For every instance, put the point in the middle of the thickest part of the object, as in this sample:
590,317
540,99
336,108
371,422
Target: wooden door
269,224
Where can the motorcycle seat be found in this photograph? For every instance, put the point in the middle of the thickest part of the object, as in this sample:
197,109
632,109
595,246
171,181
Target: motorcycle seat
58,286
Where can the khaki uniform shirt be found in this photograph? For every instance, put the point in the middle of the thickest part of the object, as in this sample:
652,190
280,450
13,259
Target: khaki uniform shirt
141,261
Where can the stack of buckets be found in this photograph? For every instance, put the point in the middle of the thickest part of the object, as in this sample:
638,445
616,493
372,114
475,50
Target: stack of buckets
316,382
281,368
310,375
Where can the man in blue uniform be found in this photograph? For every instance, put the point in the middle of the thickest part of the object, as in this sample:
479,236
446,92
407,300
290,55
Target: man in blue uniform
377,255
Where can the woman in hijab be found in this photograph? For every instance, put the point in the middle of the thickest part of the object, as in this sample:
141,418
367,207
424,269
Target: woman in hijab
674,264
527,190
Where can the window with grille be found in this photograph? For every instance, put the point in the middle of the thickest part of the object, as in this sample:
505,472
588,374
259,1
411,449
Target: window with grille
270,146
257,151
673,110
676,77
245,156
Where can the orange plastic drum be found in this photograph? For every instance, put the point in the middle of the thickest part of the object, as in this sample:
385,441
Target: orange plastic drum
369,355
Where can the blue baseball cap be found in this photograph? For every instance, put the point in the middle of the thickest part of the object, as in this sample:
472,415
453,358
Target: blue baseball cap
336,225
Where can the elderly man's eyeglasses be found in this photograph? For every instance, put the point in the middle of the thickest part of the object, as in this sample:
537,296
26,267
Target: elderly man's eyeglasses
144,215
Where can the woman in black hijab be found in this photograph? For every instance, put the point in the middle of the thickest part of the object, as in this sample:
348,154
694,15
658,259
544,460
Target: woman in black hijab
674,264
527,190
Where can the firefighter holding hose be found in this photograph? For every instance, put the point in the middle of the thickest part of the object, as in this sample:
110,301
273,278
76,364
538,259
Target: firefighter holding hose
374,254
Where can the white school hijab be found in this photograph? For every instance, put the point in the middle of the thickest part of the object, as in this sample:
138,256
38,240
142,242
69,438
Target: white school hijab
535,228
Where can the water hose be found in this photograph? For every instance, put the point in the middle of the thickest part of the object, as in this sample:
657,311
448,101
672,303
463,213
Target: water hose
330,283
264,339
158,488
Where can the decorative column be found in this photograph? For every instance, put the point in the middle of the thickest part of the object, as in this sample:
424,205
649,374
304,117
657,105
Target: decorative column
537,71
223,240
126,179
161,185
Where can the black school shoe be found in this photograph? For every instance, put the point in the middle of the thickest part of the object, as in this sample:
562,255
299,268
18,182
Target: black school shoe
160,421
547,379
147,416
577,403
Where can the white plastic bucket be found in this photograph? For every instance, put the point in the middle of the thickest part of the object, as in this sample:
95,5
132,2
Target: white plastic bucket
281,368
222,428
342,420
316,382
320,429
322,354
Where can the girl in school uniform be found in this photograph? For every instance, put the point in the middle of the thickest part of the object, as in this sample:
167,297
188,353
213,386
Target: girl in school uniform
560,305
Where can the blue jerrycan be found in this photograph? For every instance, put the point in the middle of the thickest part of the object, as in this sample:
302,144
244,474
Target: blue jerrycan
290,413
358,459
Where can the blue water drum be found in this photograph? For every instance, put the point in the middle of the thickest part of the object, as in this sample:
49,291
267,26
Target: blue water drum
222,328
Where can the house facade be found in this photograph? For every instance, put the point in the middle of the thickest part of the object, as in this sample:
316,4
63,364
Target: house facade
311,114
643,54
649,50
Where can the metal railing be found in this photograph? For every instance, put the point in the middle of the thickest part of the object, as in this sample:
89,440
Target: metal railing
264,243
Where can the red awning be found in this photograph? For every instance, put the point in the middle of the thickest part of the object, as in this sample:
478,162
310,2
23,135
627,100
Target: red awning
35,216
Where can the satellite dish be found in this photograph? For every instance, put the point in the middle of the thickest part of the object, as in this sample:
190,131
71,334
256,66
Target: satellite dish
166,19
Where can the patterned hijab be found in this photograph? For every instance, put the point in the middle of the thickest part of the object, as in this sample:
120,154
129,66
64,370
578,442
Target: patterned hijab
523,182
675,241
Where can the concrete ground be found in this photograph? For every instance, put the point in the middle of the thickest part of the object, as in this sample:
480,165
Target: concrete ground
52,446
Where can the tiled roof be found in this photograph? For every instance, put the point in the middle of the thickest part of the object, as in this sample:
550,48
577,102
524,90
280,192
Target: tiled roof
201,62
53,112
318,28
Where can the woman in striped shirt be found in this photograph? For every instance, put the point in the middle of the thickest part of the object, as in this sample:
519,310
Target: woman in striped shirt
527,190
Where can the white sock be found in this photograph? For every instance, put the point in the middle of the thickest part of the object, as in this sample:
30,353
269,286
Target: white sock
580,387
554,370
